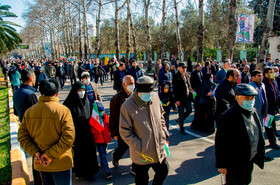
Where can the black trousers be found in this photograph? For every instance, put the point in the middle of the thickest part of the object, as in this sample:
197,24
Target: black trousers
73,81
96,79
270,132
166,116
185,109
240,176
122,148
142,175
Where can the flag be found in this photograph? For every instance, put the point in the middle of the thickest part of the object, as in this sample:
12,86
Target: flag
144,71
63,57
106,61
166,146
268,120
116,61
95,119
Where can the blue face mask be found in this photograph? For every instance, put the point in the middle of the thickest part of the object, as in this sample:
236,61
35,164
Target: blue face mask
248,105
146,97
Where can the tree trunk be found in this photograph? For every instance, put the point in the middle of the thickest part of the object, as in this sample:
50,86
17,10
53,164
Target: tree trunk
149,41
85,29
127,33
200,33
133,36
163,32
268,26
97,44
231,29
80,34
117,39
179,45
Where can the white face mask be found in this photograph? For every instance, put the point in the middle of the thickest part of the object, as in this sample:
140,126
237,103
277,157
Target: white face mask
81,94
276,74
130,88
87,81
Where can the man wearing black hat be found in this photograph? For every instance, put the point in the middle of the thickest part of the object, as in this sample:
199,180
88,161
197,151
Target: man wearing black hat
47,134
182,95
142,127
239,138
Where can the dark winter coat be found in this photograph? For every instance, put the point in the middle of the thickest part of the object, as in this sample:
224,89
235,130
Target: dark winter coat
225,97
232,144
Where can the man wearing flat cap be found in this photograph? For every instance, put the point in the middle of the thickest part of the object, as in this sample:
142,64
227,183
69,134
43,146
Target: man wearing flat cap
142,127
239,138
182,95
47,134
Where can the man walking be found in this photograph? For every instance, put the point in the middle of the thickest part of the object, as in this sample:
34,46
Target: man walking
118,77
23,99
142,127
272,100
239,138
116,102
221,74
47,134
182,95
50,71
224,93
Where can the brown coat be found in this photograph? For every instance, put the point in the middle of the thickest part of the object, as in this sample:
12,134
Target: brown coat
96,91
142,127
48,127
115,104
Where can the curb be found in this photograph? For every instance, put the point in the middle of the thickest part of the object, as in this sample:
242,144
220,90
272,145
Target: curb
19,167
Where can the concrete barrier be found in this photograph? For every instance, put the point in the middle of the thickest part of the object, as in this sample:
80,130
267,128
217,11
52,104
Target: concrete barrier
19,167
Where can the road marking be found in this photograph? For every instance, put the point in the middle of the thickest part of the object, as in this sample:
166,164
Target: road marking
195,135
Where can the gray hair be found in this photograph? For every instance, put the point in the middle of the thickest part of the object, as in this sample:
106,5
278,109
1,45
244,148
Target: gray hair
145,80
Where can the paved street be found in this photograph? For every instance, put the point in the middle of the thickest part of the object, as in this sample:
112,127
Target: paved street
192,160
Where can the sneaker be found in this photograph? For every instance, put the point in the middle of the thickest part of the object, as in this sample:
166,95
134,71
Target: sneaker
115,163
108,175
132,172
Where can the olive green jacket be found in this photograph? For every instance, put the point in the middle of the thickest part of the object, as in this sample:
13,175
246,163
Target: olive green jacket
48,127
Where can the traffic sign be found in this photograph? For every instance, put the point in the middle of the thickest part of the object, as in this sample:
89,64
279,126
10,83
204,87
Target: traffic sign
23,46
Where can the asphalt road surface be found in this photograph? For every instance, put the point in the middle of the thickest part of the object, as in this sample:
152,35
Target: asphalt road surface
192,158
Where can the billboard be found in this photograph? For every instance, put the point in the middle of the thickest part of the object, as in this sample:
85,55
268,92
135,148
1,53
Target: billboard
47,49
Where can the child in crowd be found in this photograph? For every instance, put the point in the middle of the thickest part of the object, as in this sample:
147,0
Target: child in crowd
102,136
167,101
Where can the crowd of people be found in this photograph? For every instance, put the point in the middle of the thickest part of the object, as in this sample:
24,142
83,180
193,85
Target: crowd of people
229,98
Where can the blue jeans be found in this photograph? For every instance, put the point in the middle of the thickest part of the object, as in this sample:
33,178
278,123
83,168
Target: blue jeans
57,178
101,147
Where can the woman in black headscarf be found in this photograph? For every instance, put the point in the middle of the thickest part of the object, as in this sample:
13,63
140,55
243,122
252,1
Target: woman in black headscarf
85,160
204,120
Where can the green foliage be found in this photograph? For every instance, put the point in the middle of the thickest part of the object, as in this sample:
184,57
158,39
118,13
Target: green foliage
5,166
9,38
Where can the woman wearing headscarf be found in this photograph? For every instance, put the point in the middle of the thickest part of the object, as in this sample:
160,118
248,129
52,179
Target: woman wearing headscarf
85,160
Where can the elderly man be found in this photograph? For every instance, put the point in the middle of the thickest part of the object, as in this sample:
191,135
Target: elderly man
116,102
47,134
142,127
239,138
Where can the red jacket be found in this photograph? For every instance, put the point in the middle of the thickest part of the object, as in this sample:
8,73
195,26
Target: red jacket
104,136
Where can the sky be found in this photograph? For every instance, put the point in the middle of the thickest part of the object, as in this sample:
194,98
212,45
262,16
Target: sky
18,7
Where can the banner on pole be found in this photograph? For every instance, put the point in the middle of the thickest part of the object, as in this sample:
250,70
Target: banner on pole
47,48
245,28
